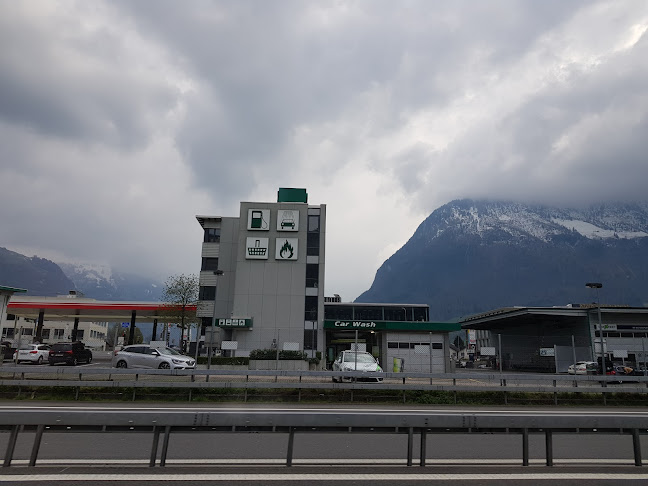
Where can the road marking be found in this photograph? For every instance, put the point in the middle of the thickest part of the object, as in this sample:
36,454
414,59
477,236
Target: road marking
421,411
321,462
15,478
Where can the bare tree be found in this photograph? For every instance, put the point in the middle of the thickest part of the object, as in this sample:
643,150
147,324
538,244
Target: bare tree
180,296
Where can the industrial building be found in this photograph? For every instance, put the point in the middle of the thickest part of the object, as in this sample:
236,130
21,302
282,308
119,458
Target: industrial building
549,339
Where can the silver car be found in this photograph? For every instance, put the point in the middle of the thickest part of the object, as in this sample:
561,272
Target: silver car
143,356
34,353
356,361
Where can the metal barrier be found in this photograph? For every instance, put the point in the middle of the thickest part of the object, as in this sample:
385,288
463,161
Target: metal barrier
157,422
82,376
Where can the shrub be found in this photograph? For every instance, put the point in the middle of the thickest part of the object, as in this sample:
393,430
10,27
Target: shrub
216,360
272,354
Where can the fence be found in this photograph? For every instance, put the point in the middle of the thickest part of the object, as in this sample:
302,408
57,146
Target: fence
421,423
85,379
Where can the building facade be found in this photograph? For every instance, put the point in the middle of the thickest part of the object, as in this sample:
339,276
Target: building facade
262,276
400,336
552,338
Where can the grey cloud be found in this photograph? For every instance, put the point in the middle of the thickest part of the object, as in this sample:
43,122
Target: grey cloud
267,72
83,97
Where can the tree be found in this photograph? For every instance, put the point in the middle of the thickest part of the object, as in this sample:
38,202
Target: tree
180,296
459,343
115,331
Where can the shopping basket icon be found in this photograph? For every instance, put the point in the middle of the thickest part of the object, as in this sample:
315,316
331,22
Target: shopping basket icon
256,250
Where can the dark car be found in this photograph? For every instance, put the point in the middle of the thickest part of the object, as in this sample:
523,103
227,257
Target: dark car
69,353
7,350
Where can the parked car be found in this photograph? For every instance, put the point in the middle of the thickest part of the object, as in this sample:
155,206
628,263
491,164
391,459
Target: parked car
356,361
69,353
143,356
583,368
8,350
34,353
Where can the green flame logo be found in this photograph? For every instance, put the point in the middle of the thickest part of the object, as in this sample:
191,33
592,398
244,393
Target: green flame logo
287,251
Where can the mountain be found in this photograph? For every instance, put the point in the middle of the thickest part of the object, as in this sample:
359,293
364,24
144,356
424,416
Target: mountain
43,277
39,276
473,256
102,283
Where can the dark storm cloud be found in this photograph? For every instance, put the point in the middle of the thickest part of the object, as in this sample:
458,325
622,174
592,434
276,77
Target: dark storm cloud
267,67
68,84
138,115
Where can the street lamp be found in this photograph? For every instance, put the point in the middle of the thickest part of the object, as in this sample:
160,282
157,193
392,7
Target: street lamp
597,286
217,273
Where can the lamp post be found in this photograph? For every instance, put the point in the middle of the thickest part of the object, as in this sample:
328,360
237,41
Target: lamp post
217,273
597,286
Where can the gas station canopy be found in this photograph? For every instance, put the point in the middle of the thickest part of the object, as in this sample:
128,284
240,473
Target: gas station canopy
72,307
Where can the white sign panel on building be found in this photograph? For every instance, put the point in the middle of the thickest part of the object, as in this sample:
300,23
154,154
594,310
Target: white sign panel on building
286,248
287,220
256,248
258,219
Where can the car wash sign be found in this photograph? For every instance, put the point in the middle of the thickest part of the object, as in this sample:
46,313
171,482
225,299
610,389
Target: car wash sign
345,325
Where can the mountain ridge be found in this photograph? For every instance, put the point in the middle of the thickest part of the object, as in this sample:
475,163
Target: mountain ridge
470,256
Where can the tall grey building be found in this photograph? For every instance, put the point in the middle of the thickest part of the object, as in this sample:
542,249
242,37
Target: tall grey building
262,276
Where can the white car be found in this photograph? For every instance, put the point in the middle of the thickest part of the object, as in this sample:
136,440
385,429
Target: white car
143,356
583,368
356,361
34,353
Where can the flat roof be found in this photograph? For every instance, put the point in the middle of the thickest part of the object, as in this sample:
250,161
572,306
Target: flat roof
63,308
373,304
482,321
4,288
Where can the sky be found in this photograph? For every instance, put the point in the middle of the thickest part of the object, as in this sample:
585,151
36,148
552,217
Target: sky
120,121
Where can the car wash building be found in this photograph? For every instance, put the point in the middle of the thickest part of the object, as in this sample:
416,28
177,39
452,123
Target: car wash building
400,336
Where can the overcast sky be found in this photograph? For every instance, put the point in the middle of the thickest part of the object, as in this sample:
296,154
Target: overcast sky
122,120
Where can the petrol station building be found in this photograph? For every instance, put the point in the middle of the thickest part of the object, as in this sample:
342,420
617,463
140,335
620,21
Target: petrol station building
262,287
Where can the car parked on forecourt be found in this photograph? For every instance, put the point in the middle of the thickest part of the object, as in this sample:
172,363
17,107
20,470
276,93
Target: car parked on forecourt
8,350
34,353
143,356
69,353
356,361
583,368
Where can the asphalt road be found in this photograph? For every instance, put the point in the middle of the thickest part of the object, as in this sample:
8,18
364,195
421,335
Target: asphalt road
335,458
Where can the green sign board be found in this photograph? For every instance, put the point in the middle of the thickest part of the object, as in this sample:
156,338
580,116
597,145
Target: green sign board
353,325
232,323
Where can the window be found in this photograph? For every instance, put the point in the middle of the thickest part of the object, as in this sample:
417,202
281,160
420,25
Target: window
395,313
313,224
421,314
207,293
437,345
310,338
79,334
26,331
373,313
209,264
310,311
312,275
59,333
11,317
312,244
212,235
46,333
338,312
7,332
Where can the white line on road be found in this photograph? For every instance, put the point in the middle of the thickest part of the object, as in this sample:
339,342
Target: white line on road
322,462
15,478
